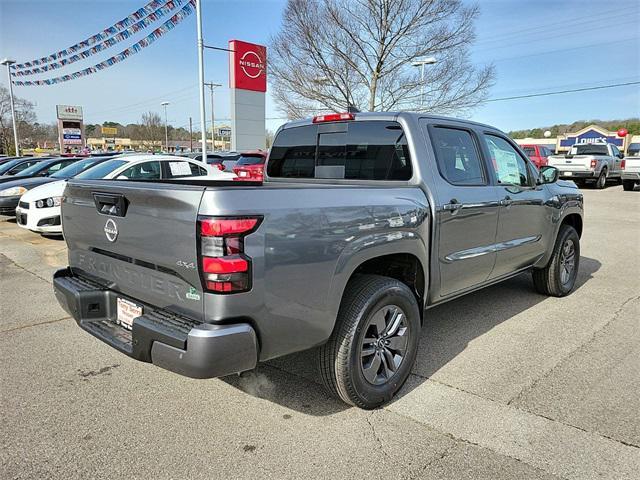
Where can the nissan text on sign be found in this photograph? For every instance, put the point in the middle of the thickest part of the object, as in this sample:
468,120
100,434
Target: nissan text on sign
248,84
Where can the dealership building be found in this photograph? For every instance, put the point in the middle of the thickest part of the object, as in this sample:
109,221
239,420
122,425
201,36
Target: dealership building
629,144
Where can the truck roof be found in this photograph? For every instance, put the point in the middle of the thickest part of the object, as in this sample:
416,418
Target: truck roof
391,116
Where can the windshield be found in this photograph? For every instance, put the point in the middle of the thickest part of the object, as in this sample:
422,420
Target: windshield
250,160
530,151
75,168
589,149
101,170
5,167
33,169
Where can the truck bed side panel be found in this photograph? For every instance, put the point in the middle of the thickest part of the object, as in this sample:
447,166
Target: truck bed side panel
309,243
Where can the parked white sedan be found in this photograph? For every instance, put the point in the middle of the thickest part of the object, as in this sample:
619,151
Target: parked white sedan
39,208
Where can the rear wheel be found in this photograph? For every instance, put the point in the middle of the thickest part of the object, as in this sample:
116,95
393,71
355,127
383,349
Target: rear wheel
373,347
602,179
628,185
559,276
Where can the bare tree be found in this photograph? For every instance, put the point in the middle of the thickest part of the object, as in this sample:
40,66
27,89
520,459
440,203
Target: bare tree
24,116
335,54
153,127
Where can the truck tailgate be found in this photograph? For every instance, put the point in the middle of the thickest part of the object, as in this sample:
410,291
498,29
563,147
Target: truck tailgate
137,238
575,163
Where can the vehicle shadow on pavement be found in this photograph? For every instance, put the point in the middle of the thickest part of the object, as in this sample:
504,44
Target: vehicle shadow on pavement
292,381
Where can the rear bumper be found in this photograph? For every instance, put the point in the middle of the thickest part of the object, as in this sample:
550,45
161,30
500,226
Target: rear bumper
631,176
568,174
178,344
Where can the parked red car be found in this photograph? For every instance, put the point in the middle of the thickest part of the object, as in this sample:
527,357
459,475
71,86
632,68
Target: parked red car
250,166
537,154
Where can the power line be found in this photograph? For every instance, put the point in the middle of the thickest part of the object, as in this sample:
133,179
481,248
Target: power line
559,92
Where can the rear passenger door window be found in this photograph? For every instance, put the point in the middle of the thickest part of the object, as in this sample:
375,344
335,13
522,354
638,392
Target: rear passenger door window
457,156
182,168
143,171
510,168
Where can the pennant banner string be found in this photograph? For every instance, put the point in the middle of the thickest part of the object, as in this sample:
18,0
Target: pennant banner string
106,33
132,50
109,42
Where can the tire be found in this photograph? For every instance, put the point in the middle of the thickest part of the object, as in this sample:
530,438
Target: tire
369,307
628,185
602,179
553,279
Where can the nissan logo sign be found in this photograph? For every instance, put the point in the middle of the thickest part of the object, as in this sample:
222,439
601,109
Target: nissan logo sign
111,230
251,64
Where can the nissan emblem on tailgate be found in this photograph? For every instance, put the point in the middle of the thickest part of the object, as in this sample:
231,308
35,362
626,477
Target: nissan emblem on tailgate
111,230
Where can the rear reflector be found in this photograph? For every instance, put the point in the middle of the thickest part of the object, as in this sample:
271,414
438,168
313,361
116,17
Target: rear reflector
228,264
216,227
333,117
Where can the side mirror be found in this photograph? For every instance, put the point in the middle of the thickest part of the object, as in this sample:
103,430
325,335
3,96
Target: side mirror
620,155
549,174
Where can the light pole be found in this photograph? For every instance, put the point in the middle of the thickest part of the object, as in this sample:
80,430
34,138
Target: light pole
203,129
166,128
421,64
8,62
211,86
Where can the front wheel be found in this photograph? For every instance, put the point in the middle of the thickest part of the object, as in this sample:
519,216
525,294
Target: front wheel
559,276
374,343
627,185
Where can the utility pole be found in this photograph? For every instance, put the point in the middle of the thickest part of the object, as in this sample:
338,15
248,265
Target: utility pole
203,133
211,86
8,64
190,134
166,128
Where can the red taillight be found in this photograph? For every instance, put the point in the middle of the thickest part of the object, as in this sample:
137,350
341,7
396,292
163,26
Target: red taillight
594,163
220,166
217,227
224,266
622,164
333,117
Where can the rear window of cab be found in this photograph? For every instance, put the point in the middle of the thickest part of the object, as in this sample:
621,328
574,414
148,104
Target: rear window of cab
364,150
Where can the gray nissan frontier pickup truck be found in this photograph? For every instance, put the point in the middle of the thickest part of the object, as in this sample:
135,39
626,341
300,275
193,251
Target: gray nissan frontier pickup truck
364,221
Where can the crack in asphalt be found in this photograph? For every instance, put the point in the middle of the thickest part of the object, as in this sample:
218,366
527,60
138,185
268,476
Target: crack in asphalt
16,264
577,350
375,434
22,327
535,414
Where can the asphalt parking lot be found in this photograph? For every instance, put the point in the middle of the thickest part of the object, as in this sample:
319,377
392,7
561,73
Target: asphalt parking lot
508,384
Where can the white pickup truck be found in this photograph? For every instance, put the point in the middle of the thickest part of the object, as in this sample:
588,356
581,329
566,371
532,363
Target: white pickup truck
630,172
589,162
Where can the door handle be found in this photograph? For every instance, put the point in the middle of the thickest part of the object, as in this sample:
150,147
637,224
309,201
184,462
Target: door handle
506,201
453,205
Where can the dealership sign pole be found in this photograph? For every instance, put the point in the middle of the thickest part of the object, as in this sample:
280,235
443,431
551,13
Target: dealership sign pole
248,84
203,129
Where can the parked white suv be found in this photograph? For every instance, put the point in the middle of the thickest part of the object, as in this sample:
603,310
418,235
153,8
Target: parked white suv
589,163
39,208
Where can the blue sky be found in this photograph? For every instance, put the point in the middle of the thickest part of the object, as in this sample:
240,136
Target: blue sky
536,46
